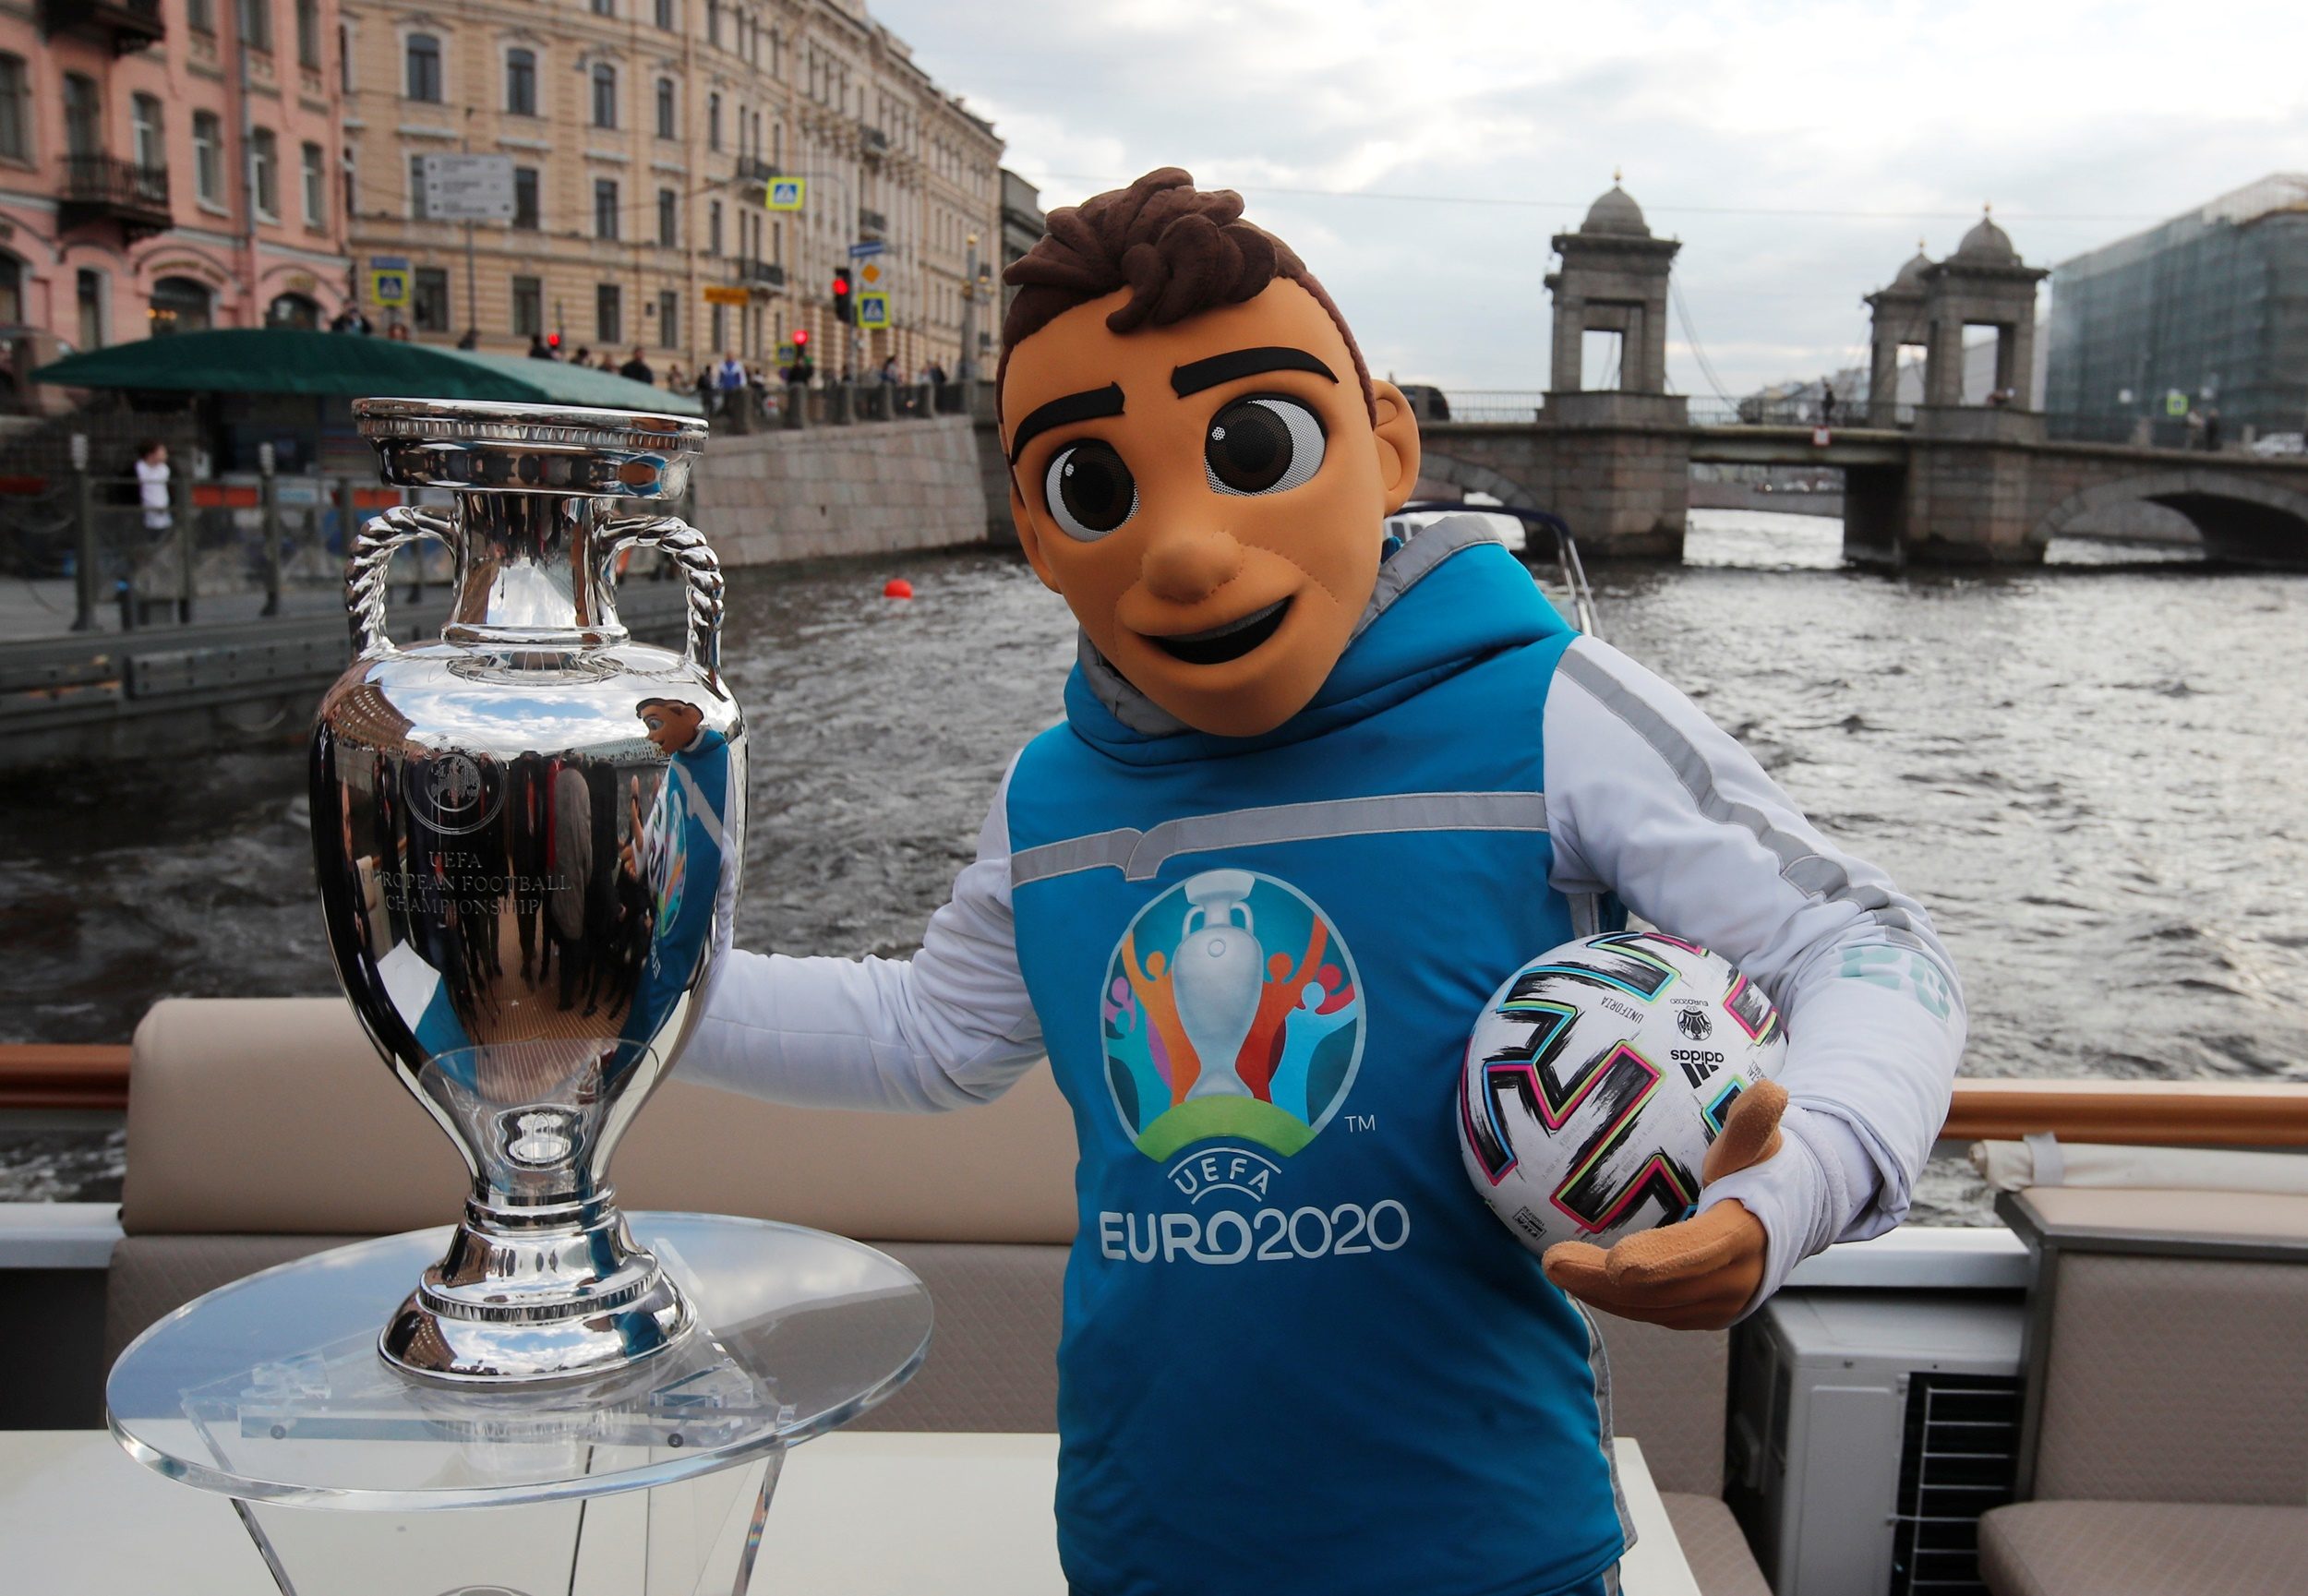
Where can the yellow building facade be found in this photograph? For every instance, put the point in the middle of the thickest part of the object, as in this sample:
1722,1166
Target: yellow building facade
642,136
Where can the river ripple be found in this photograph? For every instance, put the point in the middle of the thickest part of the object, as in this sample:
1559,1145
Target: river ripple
2095,775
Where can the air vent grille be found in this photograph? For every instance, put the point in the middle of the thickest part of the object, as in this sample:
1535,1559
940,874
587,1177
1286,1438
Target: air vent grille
1957,1456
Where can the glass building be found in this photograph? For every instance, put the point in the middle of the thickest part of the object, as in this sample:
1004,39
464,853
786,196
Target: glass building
2210,309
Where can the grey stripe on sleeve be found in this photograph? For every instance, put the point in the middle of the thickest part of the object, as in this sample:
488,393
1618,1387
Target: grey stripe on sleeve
1809,872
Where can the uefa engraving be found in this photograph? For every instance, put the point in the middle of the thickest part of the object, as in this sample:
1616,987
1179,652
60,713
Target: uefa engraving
527,836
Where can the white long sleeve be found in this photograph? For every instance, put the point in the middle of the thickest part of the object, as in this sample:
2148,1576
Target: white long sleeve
948,1028
1647,798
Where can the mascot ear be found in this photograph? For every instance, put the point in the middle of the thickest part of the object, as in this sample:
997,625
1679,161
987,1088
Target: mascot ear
1028,538
1395,435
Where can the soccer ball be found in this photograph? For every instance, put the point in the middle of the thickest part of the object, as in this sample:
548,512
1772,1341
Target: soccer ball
1597,1076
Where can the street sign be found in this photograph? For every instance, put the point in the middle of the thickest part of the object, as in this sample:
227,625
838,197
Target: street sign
870,273
785,193
872,247
389,280
873,309
720,294
468,188
786,353
2175,403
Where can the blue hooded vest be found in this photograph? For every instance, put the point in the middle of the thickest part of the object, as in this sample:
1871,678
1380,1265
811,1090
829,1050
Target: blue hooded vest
1299,1353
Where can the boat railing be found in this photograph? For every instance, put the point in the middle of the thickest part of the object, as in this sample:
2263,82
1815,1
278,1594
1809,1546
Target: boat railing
1569,568
88,1076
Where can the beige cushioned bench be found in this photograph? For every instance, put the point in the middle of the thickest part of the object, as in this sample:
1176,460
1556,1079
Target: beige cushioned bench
2170,1351
260,1130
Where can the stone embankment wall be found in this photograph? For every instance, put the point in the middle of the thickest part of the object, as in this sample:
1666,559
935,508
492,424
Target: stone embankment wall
875,487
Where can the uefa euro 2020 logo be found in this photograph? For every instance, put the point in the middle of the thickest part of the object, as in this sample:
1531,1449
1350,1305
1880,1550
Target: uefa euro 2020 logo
1232,1008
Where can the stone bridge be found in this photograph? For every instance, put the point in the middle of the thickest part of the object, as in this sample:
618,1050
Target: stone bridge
1961,486
1964,484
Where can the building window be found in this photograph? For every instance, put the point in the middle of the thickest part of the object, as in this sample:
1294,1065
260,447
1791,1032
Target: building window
207,157
721,327
345,56
528,308
308,34
603,94
525,198
669,318
424,68
713,21
605,8
352,186
609,315
666,125
83,126
520,82
605,207
144,128
201,16
428,299
89,289
712,121
16,110
256,24
264,172
416,189
669,15
713,228
179,305
316,191
668,218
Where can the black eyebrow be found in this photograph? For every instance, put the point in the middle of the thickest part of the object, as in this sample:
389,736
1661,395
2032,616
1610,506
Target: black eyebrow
1088,406
1195,376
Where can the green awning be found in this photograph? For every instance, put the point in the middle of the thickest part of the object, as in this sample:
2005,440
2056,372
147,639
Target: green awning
345,365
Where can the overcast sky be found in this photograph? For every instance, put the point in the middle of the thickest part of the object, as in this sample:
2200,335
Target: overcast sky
1420,153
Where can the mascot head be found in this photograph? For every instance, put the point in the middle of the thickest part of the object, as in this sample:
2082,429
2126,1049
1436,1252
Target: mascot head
1200,464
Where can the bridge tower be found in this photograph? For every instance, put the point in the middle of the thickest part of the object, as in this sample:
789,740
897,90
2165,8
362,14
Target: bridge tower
1984,284
1617,458
1896,321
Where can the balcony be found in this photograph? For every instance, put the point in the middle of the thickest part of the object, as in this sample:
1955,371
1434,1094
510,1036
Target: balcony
125,25
872,225
100,188
753,169
760,275
873,141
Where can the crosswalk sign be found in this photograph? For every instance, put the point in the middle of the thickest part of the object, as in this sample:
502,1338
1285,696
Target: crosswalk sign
873,309
785,193
389,287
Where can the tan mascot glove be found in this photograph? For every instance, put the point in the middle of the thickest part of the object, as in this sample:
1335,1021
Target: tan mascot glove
1762,1180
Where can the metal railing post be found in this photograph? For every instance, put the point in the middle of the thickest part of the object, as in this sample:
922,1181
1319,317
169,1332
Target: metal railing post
181,529
268,502
83,538
797,414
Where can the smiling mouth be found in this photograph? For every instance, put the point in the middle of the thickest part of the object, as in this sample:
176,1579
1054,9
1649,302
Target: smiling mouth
1233,640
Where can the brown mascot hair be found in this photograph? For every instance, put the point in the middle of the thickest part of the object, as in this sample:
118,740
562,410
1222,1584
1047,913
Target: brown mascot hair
1179,249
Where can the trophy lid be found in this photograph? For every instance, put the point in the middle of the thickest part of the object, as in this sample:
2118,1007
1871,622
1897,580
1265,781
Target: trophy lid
500,447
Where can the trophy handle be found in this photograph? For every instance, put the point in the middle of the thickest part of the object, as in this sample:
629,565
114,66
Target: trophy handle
687,547
368,568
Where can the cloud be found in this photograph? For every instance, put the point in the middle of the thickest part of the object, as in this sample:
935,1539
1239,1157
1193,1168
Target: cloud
1797,151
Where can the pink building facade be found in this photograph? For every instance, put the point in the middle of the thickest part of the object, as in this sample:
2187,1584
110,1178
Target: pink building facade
166,165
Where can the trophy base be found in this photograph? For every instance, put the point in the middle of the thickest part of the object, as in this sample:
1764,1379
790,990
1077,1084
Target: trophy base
513,1305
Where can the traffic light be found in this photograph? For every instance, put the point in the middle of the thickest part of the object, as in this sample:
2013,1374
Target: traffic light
552,340
801,339
842,310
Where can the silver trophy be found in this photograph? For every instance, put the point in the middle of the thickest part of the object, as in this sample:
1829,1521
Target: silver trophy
528,837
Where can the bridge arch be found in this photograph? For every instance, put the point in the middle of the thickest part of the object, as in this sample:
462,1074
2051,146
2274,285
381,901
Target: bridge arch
1471,477
2240,515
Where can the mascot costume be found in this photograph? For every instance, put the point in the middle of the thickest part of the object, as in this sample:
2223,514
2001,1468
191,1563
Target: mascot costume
1316,792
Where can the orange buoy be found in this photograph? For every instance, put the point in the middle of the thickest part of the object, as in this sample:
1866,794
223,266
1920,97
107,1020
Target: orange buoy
897,587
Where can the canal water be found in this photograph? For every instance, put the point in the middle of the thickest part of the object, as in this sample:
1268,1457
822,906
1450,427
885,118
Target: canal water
2095,774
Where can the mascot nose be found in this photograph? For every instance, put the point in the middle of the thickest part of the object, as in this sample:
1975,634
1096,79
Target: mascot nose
1187,564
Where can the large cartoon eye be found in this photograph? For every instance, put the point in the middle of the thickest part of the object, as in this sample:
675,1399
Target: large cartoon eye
1262,445
1090,490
